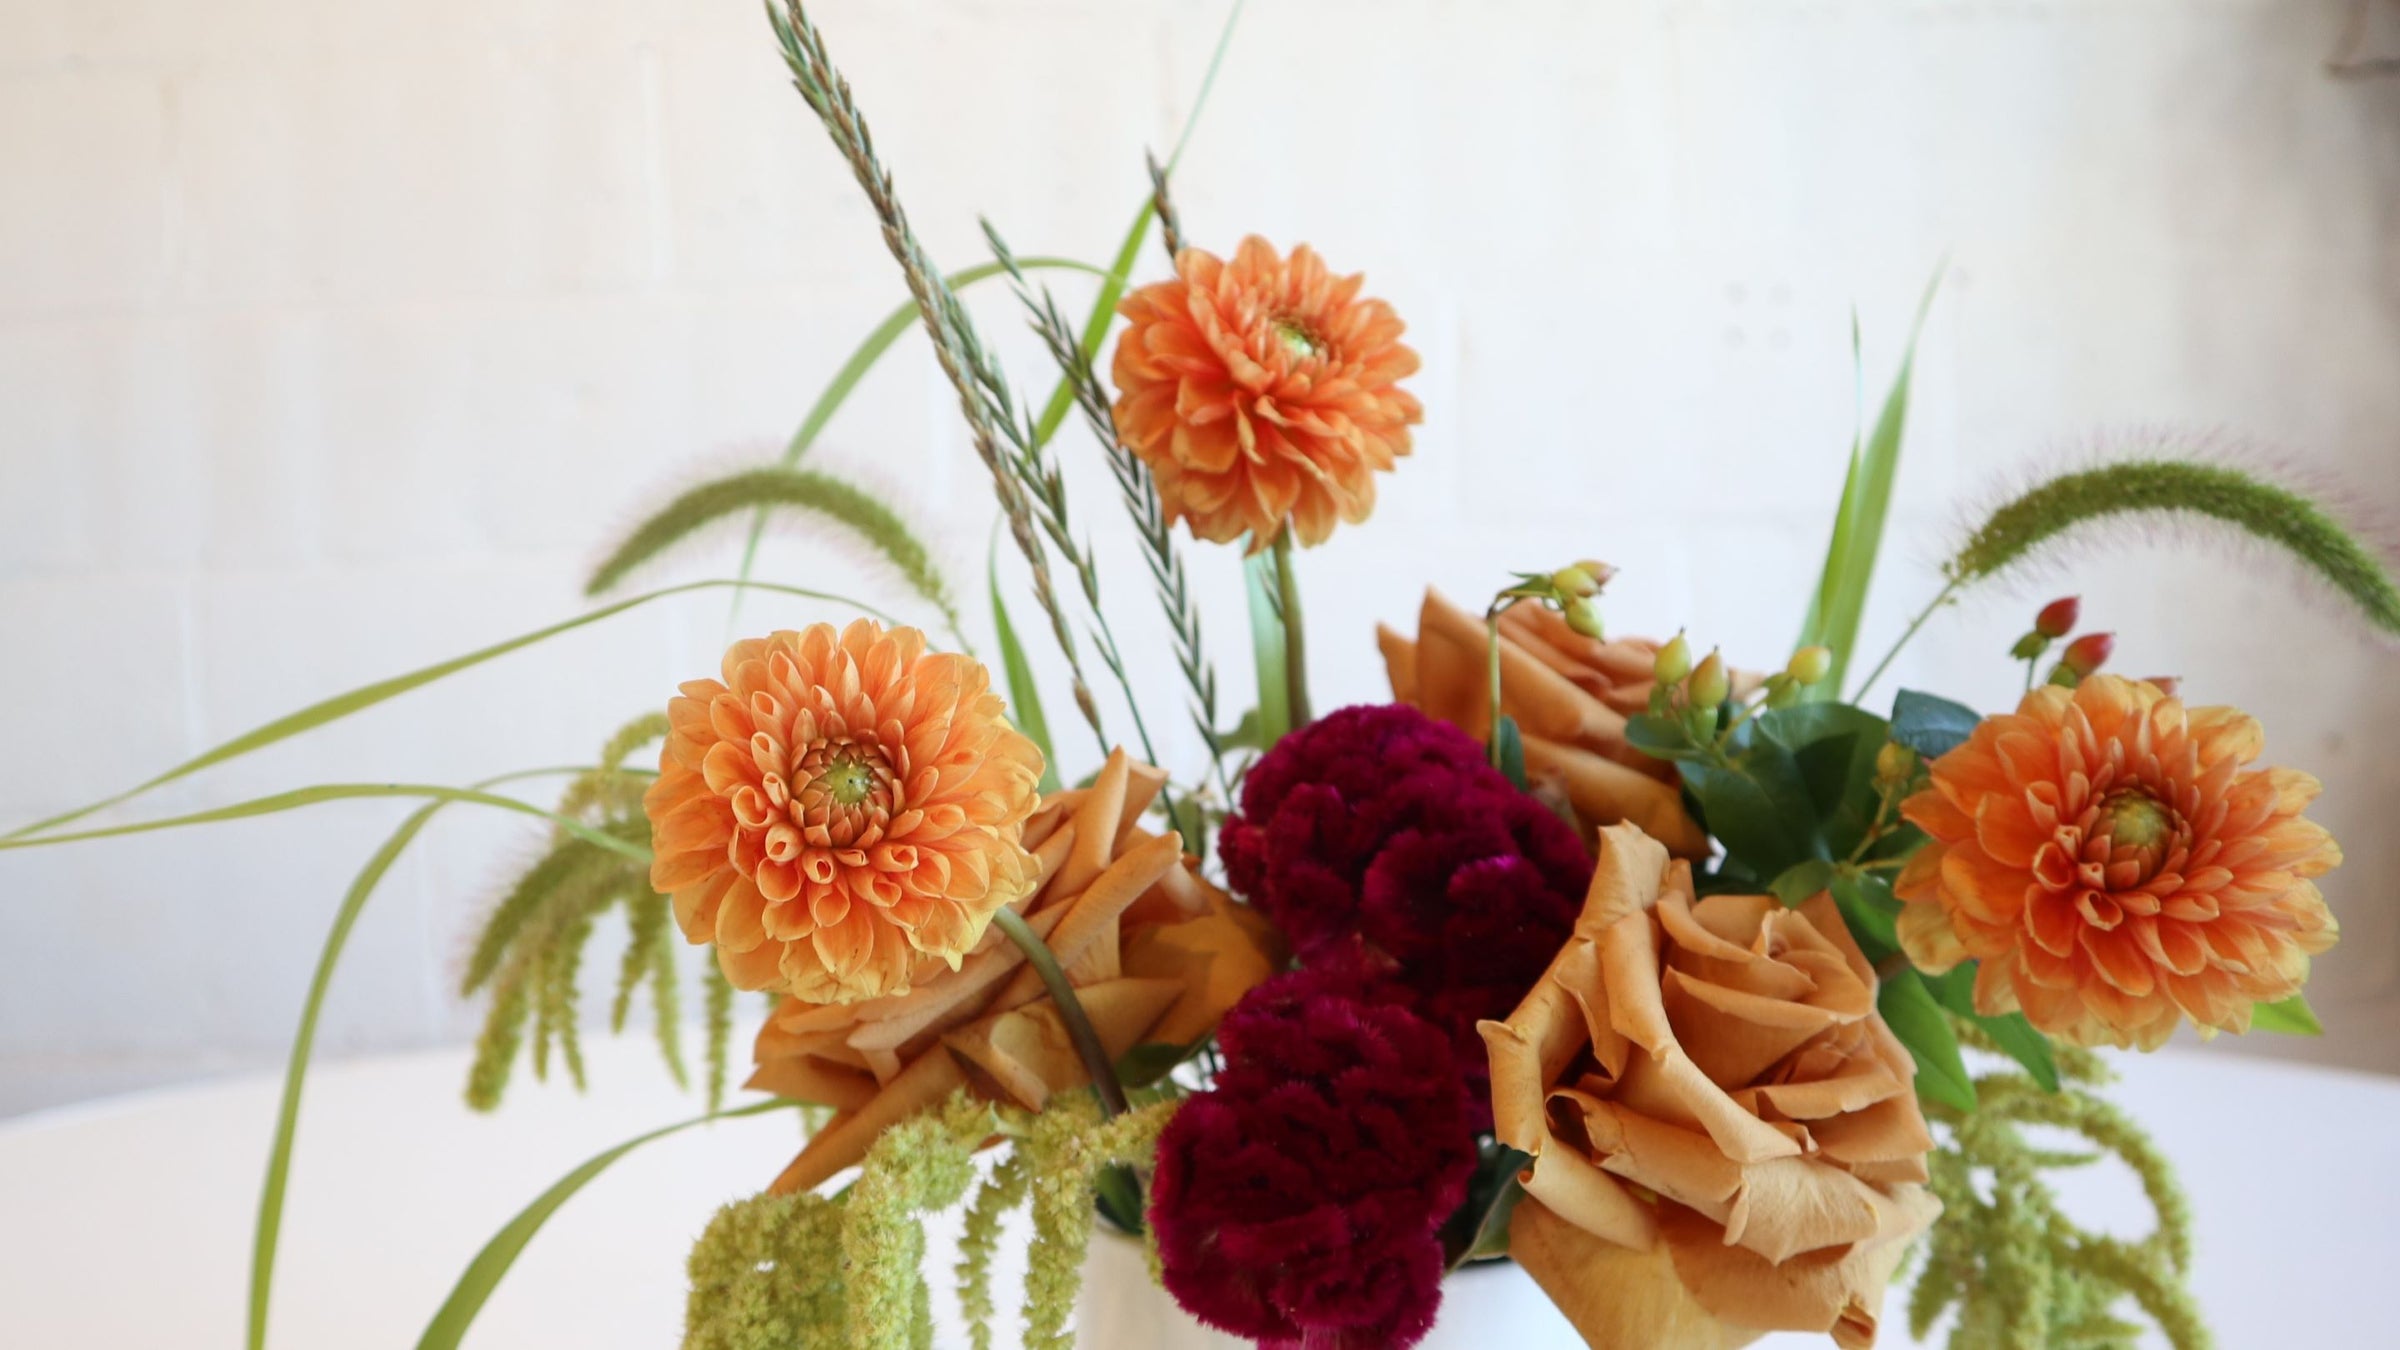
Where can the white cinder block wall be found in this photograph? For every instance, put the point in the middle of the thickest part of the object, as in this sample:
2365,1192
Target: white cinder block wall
336,339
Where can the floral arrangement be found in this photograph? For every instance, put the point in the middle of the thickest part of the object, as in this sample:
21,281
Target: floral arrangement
1655,976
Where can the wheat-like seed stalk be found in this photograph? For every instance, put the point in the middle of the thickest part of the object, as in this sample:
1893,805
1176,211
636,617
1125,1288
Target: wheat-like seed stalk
982,393
1135,484
1170,225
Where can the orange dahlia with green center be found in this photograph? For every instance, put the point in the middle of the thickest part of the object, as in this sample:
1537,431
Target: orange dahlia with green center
2116,865
840,810
1263,391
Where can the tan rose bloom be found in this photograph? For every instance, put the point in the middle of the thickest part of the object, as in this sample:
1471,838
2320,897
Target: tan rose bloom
1725,1135
1156,956
1570,696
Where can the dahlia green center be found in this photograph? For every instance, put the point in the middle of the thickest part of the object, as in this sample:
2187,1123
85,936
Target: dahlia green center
2135,820
850,780
1296,339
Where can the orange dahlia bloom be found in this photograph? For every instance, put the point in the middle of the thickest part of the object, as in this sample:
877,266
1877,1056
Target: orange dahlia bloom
1263,390
2108,856
841,810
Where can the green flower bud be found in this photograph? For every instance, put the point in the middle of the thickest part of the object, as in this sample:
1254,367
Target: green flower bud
1583,615
1673,662
1574,582
1894,763
1810,665
1710,684
1783,689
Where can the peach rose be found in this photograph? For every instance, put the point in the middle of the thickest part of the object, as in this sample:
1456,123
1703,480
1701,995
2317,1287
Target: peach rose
1570,695
1156,956
1725,1138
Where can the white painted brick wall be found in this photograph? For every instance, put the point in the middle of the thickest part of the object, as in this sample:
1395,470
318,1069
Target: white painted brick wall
335,339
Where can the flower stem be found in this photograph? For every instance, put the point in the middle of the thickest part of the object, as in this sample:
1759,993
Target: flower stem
1070,1009
1295,645
1948,590
1491,647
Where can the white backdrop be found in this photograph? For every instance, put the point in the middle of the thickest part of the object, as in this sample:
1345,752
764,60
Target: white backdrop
336,339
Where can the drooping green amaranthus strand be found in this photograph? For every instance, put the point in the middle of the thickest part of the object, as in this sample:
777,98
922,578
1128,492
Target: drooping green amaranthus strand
2020,1274
979,1242
960,353
915,1168
1138,489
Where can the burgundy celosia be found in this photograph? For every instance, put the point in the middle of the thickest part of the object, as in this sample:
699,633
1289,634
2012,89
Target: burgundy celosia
1382,844
1299,1201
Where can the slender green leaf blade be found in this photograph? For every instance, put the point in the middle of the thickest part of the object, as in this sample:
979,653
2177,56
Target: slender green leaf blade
1267,647
1841,596
1511,745
1024,696
1909,1008
877,342
2291,1017
1955,989
491,1265
358,700
335,792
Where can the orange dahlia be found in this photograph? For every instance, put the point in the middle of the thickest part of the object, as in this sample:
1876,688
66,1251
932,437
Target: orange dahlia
2115,865
840,813
1263,390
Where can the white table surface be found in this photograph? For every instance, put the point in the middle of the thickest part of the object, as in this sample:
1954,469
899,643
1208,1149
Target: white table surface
126,1222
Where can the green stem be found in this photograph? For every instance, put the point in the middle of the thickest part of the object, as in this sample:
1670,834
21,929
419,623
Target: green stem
1070,1009
1491,647
1295,643
1949,589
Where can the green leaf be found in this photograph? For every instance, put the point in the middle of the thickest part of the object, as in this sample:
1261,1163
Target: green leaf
894,325
490,1265
1955,989
1916,1018
335,792
1479,1232
1930,725
1024,696
1659,737
269,1229
1267,647
771,489
1509,743
1758,808
1834,746
1870,911
358,700
1798,884
1151,1061
2291,1017
1841,595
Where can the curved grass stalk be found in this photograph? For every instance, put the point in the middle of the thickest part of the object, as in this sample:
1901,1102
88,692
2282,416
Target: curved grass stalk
287,1112
491,1265
367,696
334,792
880,340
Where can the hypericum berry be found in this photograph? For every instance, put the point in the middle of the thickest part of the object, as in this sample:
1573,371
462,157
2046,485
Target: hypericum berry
1673,662
1710,684
1810,665
2088,653
2057,618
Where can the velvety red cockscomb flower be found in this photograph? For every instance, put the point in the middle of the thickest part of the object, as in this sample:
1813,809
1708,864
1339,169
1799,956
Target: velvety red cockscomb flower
1299,1201
1382,844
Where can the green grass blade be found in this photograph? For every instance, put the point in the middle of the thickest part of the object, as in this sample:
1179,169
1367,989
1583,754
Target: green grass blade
295,1073
1841,596
1024,696
491,1265
1269,648
336,792
765,491
1104,305
894,325
358,700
